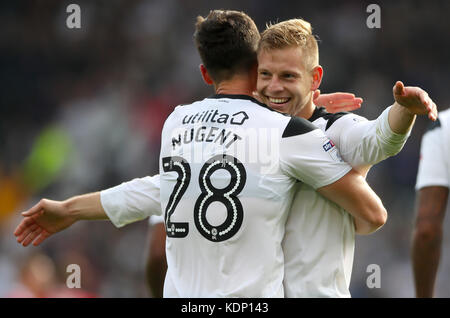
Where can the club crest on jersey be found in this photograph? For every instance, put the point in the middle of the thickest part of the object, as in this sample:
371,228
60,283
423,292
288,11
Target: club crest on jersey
328,145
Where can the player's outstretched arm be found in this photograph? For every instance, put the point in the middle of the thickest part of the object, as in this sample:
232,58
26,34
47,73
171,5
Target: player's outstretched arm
427,238
363,143
409,102
337,102
352,193
49,217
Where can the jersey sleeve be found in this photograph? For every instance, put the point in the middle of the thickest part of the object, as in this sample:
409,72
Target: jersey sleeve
432,170
363,142
132,201
308,155
155,219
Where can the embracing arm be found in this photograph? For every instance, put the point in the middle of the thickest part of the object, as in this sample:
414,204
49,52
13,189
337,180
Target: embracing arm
364,143
49,217
313,159
352,193
126,203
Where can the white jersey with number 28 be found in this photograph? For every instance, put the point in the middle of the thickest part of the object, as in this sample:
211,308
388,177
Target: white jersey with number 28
228,167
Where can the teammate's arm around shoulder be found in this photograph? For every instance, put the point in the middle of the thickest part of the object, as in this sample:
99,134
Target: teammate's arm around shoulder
352,193
308,155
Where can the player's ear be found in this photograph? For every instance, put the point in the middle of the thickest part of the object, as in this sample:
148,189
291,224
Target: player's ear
317,74
206,78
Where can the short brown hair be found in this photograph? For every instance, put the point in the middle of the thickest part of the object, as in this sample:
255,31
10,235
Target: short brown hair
227,41
292,33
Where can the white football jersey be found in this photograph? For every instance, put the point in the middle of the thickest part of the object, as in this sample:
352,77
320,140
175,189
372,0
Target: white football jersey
228,167
319,241
320,236
434,164
155,219
132,201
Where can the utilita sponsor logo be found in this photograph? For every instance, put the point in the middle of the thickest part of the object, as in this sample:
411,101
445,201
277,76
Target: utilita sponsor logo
213,116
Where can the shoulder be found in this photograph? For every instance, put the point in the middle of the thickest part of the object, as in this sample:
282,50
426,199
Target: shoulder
320,115
442,122
444,118
445,114
297,126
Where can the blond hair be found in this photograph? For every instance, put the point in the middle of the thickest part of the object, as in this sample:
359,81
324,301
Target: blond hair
292,33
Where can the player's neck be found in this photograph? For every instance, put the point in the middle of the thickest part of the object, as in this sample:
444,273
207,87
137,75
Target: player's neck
238,85
307,110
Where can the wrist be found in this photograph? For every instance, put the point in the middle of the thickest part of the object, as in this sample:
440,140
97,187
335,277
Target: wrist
85,207
401,119
72,209
403,109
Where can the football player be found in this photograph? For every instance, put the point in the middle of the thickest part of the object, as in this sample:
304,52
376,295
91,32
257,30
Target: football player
433,182
224,210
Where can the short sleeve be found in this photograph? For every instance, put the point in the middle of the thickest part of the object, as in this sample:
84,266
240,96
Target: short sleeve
432,165
132,201
155,219
309,156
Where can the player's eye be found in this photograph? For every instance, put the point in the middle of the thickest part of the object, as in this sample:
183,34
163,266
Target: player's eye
264,73
288,76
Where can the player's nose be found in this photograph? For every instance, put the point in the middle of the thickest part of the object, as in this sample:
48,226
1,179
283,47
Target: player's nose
274,86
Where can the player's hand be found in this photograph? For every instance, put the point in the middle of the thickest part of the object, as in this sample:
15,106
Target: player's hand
41,221
337,102
415,99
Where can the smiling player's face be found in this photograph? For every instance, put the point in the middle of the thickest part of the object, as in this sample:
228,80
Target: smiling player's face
284,83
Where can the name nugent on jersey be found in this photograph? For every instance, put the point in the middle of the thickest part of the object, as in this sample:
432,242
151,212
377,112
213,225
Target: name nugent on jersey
249,145
205,134
201,133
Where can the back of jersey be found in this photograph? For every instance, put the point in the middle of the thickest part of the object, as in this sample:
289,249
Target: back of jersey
226,191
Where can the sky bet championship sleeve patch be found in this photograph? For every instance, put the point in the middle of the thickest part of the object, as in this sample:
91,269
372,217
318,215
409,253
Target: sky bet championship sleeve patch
331,149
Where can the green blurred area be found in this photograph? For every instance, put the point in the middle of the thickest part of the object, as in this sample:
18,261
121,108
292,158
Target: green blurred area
50,152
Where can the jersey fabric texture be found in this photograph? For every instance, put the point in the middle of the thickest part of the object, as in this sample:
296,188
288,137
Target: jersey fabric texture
320,236
228,167
434,164
132,201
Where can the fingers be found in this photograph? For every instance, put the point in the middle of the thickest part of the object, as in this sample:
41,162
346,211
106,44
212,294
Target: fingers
433,113
348,102
345,108
316,94
256,96
27,222
343,96
27,231
345,104
429,104
335,102
35,209
32,236
399,88
41,238
425,100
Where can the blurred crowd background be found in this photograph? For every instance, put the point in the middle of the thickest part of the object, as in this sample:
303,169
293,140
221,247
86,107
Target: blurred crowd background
82,110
